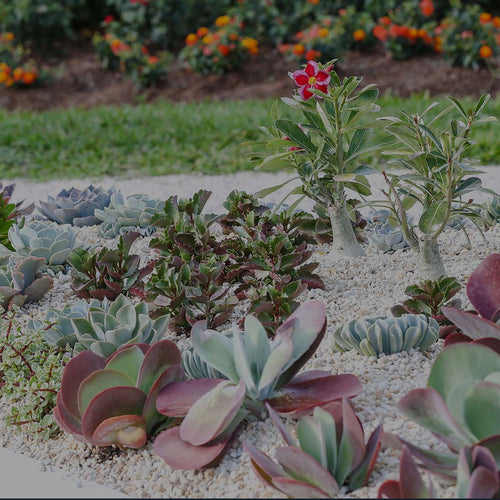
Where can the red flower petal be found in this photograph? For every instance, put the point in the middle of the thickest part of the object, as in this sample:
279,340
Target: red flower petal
300,77
311,68
323,88
304,93
323,77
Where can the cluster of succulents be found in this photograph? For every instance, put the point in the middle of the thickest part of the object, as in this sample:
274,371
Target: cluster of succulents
108,272
23,282
255,371
103,327
374,336
46,240
76,206
125,214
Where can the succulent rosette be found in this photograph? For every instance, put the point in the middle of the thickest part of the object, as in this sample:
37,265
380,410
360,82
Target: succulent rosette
113,401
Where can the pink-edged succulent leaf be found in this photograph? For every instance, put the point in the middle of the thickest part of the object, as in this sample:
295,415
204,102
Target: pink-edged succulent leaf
411,483
359,477
300,398
477,473
77,369
483,287
265,469
98,381
176,399
141,345
124,430
307,326
287,437
171,375
159,357
128,361
304,468
389,489
112,402
352,446
471,324
66,420
493,444
277,360
179,454
427,408
212,413
298,489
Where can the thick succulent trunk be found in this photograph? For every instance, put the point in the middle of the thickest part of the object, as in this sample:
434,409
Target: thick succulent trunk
344,241
430,264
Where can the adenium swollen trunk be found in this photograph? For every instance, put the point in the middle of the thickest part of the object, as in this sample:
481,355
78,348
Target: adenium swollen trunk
430,264
344,243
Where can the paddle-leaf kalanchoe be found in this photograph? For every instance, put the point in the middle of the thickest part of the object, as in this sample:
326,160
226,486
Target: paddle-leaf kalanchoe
112,401
75,206
374,336
132,213
256,371
330,452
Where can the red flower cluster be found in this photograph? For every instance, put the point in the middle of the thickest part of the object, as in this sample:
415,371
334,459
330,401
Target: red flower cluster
312,77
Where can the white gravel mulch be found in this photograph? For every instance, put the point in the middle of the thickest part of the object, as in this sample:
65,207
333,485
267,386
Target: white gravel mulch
354,288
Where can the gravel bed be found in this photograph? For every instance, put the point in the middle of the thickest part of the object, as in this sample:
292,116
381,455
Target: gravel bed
354,288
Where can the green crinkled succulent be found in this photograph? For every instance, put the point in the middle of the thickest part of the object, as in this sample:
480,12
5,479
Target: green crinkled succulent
43,239
134,212
379,335
105,326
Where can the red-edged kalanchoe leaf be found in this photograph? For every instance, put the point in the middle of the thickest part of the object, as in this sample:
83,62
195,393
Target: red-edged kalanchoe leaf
410,484
331,452
472,325
483,288
112,401
457,338
477,473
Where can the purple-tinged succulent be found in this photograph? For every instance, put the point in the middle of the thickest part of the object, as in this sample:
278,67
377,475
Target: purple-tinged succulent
76,207
477,473
483,290
460,405
113,401
257,371
410,484
330,453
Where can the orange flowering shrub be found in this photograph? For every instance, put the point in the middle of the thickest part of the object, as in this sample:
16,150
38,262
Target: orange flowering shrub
407,31
471,38
332,36
218,50
16,70
129,56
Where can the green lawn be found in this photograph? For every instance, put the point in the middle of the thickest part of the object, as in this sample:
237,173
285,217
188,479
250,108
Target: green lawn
161,138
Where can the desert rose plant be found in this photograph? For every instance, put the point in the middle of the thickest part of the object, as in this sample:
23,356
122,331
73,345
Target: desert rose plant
436,176
326,148
255,371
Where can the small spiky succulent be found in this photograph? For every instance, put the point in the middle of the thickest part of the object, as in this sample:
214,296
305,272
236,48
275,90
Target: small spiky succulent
374,336
109,272
384,235
23,282
330,453
43,239
133,213
75,206
113,401
10,213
